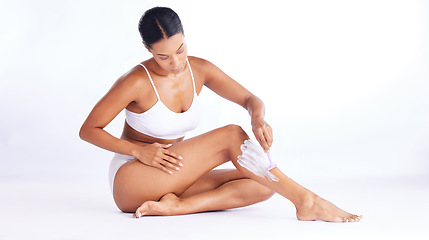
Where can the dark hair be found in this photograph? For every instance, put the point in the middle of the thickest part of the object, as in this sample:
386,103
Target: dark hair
158,23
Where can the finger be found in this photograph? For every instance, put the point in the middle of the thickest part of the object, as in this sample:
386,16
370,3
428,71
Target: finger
158,164
268,142
166,145
173,161
270,131
157,144
173,157
265,146
170,165
262,141
265,138
259,138
164,169
268,135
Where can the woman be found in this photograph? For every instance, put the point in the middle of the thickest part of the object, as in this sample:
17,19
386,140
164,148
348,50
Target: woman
155,171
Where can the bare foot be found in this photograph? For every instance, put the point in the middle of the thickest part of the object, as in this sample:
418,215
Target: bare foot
168,205
316,208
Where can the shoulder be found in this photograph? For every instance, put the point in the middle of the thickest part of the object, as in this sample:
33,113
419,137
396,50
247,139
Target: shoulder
199,63
203,67
134,79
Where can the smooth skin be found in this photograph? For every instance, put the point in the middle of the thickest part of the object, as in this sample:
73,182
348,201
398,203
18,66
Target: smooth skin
173,177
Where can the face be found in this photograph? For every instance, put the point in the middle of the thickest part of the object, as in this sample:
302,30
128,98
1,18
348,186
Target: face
170,53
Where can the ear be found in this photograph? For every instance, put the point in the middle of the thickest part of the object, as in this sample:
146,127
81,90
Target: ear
147,47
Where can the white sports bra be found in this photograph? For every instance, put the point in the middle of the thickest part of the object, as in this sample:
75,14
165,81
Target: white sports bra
160,122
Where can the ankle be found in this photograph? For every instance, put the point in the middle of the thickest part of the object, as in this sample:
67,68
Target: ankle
174,205
306,201
182,206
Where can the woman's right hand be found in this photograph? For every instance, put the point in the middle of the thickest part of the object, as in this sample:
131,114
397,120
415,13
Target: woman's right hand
159,156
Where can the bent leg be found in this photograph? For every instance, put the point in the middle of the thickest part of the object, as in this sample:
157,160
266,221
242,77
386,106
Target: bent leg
233,194
136,183
217,190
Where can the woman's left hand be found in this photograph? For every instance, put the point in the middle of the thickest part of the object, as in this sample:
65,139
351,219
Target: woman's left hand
263,132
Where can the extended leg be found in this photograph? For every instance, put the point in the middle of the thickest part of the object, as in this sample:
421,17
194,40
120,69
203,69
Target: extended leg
309,206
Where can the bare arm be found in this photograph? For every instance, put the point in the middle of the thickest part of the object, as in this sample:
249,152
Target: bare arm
226,87
126,90
92,130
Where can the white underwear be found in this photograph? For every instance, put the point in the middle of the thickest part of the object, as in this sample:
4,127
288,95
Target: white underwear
117,161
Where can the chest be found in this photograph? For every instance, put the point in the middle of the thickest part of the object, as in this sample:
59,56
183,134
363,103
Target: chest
176,94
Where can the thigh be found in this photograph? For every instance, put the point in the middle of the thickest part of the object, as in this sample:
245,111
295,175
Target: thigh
136,183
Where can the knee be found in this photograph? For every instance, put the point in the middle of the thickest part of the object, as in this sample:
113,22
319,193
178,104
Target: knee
235,133
233,136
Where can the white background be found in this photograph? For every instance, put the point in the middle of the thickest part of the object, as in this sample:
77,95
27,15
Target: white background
345,83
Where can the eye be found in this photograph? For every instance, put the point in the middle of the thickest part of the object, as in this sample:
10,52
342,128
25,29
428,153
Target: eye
163,58
181,50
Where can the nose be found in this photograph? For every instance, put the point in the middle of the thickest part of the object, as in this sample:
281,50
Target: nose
174,62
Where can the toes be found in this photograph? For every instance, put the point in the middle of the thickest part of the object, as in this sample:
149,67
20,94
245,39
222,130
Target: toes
353,218
356,218
137,214
143,209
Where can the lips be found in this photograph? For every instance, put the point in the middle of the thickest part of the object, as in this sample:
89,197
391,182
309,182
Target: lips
177,70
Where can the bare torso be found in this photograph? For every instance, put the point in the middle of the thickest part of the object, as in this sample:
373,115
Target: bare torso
141,139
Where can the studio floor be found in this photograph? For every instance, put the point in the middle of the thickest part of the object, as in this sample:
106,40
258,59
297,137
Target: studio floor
393,208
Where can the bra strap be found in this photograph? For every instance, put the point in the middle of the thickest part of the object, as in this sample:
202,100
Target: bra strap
192,75
151,81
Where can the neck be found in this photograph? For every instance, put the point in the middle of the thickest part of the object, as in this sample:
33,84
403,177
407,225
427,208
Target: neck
158,70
